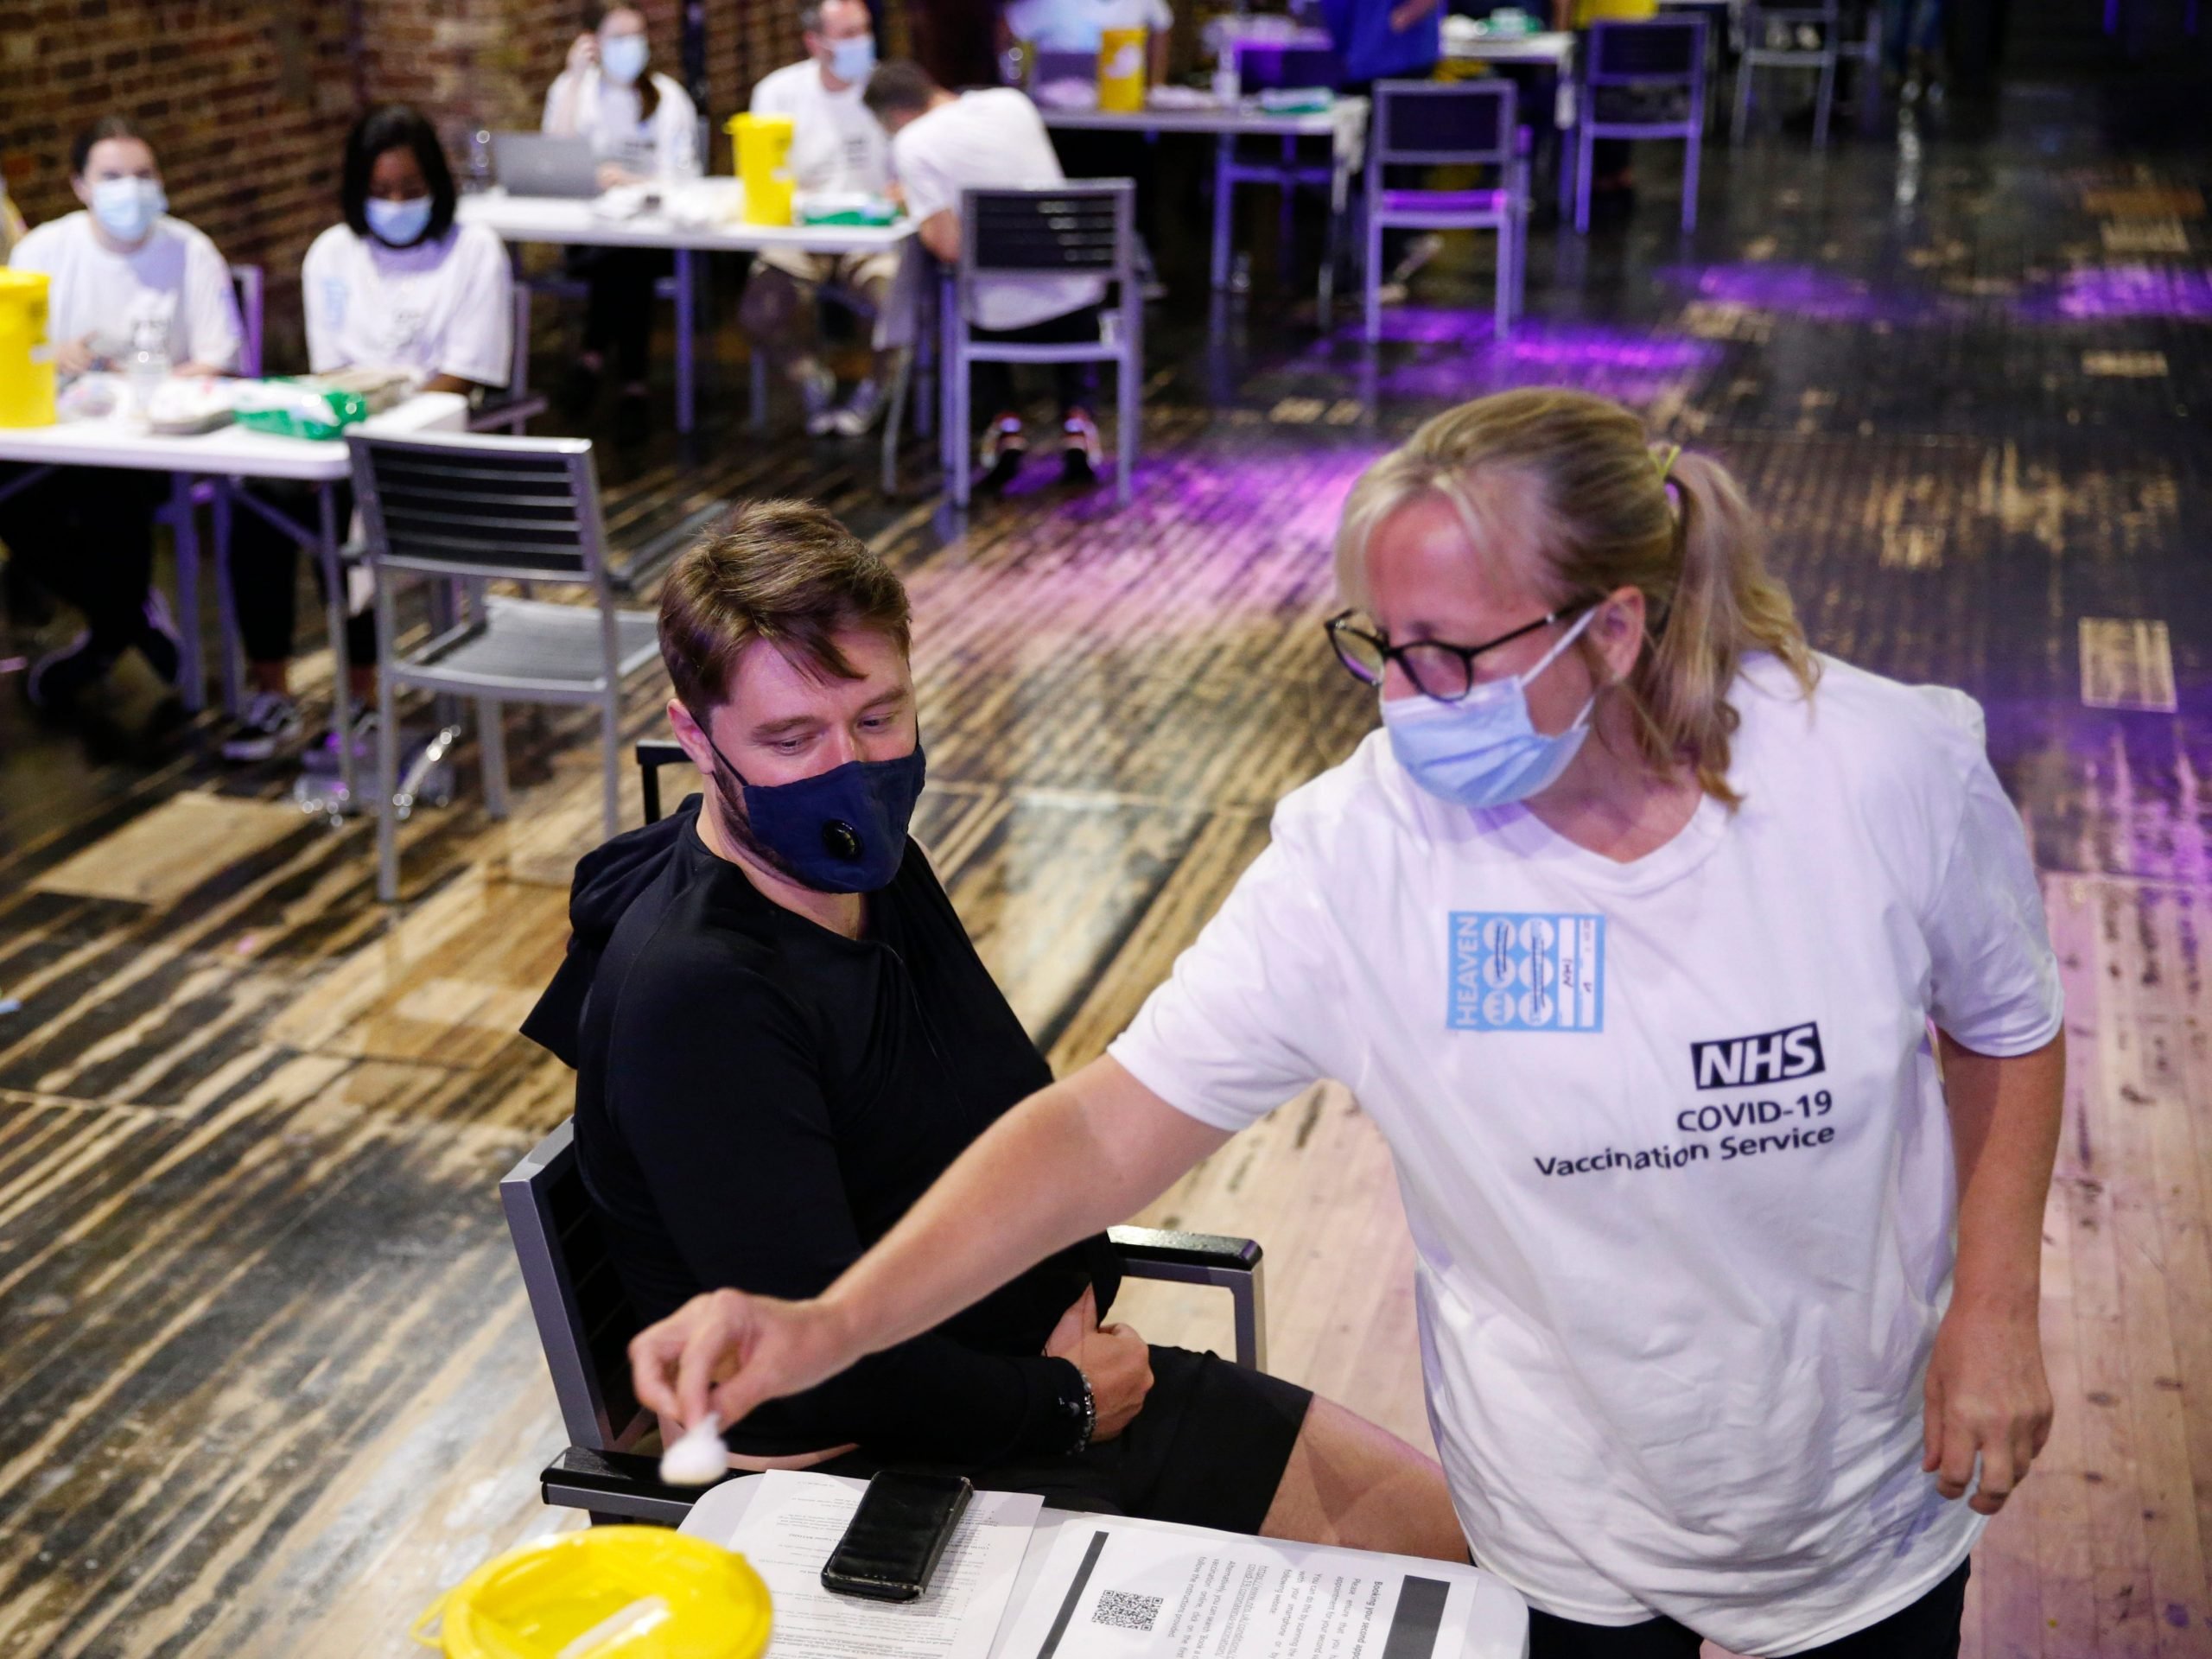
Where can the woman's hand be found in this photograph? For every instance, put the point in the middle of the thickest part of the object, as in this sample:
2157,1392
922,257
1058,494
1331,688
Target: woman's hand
73,356
733,1352
584,53
1113,1359
1404,15
612,176
1986,1395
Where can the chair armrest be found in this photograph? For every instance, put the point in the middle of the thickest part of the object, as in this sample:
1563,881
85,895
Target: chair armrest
622,1484
1229,1264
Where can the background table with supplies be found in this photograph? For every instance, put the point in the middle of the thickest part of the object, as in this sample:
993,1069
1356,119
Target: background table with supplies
1343,124
569,222
228,456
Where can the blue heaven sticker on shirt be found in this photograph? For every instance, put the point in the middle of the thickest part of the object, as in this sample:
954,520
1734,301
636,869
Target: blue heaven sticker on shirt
1524,971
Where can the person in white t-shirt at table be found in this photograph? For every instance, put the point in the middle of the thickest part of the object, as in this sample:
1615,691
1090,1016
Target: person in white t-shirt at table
397,284
1701,988
837,149
123,277
645,128
941,145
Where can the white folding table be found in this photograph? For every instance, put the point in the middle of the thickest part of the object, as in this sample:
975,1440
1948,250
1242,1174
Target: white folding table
1343,124
1499,1630
226,457
567,222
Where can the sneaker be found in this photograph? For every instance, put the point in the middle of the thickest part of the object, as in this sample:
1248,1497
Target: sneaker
57,677
271,723
860,413
158,641
1004,450
818,396
634,420
360,737
1081,457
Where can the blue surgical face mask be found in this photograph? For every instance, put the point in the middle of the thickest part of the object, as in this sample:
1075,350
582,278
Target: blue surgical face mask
1483,750
397,224
623,57
843,830
852,61
126,208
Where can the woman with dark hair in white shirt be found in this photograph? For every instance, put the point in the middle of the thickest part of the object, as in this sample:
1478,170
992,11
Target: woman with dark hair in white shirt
1701,988
123,276
396,284
642,127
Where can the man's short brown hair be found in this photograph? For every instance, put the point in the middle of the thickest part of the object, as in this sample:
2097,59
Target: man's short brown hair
899,87
786,572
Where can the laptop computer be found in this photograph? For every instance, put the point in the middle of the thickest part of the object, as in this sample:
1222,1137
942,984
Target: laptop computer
534,164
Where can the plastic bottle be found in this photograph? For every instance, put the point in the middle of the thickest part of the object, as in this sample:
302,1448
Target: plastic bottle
147,366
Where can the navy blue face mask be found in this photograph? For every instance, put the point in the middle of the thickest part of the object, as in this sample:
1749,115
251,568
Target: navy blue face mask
843,830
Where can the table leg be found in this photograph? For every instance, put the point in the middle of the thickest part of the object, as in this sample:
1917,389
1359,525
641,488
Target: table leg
191,671
341,665
1340,202
687,372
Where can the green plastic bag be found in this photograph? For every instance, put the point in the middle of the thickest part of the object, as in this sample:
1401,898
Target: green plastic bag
289,409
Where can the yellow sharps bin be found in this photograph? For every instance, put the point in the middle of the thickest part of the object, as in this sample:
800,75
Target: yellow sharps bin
764,161
26,357
1121,69
610,1592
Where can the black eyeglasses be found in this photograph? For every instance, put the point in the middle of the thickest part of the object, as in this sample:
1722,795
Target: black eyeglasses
1439,670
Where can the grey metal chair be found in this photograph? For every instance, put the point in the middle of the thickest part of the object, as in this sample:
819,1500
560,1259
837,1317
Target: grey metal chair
1464,123
469,509
1771,41
1265,67
1660,58
1086,228
585,1323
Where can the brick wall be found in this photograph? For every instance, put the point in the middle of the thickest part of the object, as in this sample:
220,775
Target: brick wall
247,101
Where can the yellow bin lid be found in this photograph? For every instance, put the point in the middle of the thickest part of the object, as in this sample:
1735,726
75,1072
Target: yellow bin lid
606,1593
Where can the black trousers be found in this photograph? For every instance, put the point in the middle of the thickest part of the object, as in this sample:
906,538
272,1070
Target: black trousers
86,534
619,306
1927,1629
265,575
1074,383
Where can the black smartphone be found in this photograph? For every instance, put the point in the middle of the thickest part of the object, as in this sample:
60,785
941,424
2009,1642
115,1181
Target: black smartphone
893,1540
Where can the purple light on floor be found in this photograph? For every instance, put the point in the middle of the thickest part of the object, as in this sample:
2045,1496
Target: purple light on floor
1803,291
2101,291
1459,358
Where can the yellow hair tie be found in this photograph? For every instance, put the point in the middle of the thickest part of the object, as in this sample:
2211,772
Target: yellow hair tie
1667,461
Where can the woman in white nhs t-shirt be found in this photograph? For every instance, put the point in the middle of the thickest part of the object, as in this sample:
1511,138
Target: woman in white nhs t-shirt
1629,931
644,128
397,284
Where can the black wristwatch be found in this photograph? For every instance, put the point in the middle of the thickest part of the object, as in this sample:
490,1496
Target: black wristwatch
1079,1411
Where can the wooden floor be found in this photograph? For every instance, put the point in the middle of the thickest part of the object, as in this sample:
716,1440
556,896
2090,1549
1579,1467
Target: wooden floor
267,1382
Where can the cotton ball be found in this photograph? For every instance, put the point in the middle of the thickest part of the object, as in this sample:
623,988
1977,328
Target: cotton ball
699,1457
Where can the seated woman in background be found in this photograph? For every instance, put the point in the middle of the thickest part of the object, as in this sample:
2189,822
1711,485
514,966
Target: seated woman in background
121,275
398,285
782,1035
643,126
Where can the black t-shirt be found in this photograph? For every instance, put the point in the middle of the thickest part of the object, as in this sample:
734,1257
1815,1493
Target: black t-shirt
760,1099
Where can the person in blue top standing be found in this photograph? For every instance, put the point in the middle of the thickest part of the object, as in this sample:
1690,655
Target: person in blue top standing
1389,40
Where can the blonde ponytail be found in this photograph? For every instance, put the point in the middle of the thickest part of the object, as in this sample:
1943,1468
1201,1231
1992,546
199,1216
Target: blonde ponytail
1619,512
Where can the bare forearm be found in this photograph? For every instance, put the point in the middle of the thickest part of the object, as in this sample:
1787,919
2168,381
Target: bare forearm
1071,1159
2004,1121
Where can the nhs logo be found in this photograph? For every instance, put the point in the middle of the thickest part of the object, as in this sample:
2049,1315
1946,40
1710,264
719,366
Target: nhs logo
1770,1056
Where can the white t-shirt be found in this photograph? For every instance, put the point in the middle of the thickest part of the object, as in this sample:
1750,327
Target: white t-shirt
176,275
444,307
983,141
1673,1148
1077,25
836,145
612,115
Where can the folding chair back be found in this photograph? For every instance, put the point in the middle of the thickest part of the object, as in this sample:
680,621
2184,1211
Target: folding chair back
482,507
1269,66
584,1319
1771,41
1449,123
1655,55
252,288
1654,52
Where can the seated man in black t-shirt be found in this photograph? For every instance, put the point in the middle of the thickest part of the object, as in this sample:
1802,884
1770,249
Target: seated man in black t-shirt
782,1035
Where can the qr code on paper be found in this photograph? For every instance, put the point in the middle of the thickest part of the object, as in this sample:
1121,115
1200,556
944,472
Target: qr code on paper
1126,1612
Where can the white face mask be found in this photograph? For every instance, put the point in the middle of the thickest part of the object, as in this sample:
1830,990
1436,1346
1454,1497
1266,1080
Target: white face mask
126,208
623,57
